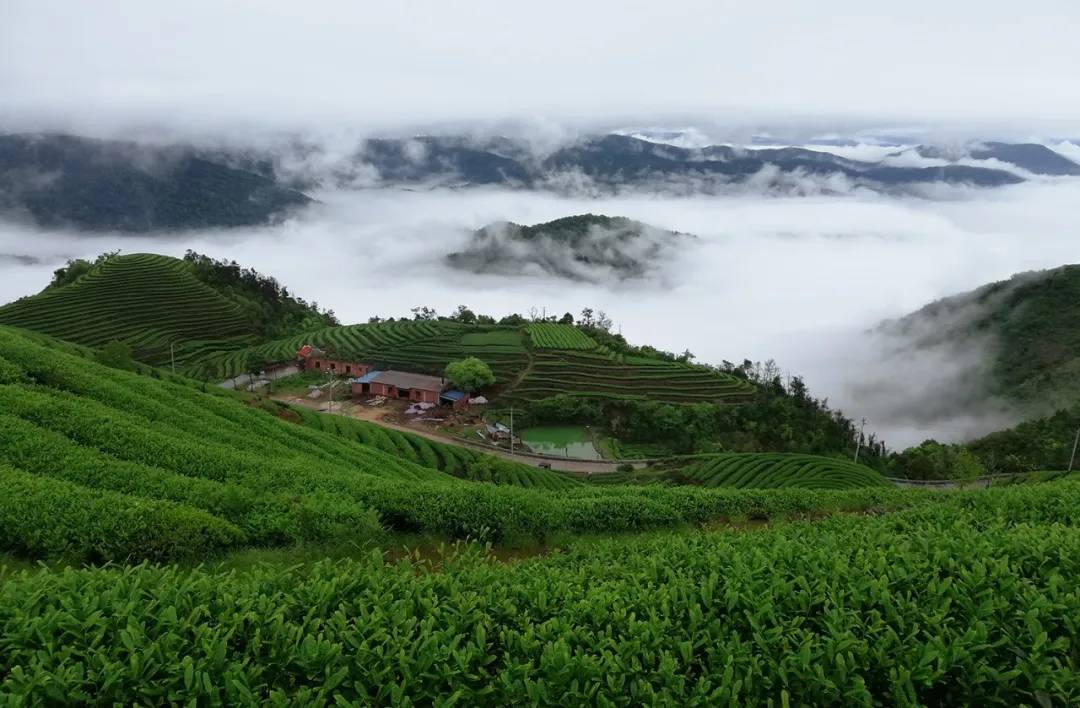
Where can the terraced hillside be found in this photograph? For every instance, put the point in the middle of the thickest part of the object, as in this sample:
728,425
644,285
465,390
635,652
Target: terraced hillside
772,470
101,463
147,301
601,373
426,346
544,360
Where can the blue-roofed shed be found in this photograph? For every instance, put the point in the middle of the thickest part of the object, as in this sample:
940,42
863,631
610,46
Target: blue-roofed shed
457,399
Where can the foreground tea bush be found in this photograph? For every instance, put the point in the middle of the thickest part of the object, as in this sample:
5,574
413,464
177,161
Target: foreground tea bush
949,603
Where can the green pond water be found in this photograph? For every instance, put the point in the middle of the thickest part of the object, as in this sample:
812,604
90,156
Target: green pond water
562,440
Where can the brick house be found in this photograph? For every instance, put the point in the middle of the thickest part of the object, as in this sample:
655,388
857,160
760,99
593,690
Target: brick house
314,359
419,388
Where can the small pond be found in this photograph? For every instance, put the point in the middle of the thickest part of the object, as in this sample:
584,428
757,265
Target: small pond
561,440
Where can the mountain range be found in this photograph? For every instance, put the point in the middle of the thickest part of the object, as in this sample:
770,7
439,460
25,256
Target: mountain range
61,181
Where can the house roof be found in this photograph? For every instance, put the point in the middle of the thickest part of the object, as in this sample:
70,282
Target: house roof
454,395
404,379
366,378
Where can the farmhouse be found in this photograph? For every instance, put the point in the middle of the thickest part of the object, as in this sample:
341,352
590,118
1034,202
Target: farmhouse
367,381
399,384
314,359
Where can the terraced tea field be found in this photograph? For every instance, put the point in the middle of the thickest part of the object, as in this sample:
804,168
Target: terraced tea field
549,335
603,374
425,347
145,300
773,470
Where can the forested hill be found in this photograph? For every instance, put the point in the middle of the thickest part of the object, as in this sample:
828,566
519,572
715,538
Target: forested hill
1028,328
101,185
588,247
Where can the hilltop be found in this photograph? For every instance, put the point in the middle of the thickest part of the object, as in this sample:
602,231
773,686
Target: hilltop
153,303
63,181
586,247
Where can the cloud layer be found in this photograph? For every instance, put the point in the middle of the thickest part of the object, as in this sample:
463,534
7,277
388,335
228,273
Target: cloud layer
801,280
276,63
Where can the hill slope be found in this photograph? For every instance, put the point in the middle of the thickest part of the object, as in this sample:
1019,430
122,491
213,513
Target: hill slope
527,365
1027,330
104,464
145,300
60,181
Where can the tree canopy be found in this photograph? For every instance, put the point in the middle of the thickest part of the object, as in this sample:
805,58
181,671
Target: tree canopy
469,374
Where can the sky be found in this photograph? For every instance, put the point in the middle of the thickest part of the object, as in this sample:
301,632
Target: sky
211,65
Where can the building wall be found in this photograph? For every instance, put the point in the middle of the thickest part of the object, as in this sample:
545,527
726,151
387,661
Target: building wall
421,395
336,366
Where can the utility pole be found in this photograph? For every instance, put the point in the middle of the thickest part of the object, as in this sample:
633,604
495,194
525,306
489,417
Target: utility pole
172,355
511,431
858,443
330,390
1072,458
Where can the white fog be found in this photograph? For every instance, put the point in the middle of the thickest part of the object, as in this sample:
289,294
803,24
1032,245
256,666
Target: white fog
799,280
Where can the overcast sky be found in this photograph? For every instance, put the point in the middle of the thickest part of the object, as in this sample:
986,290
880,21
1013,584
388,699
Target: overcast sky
215,63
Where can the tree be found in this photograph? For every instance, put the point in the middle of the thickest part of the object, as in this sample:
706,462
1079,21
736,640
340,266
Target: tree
566,319
469,374
464,315
424,313
76,268
934,460
116,354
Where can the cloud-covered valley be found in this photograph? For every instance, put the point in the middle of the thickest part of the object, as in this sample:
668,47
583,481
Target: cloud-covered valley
802,280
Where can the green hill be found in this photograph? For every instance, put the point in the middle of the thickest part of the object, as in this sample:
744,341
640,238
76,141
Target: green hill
146,301
1027,328
196,305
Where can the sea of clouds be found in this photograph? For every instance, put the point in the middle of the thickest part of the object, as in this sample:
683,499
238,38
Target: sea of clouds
799,279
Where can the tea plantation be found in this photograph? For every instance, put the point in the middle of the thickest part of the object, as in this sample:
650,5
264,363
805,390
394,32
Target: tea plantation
769,470
936,598
962,599
148,301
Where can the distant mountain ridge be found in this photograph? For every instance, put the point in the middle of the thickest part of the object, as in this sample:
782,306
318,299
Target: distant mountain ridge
1033,157
59,181
108,185
628,161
